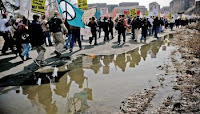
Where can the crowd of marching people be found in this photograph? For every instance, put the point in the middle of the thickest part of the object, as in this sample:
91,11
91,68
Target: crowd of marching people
22,35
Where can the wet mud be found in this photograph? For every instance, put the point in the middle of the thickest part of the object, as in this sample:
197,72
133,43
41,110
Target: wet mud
93,84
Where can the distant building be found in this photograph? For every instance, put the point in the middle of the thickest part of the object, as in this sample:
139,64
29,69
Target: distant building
177,6
97,5
154,6
127,4
164,9
197,7
111,7
124,6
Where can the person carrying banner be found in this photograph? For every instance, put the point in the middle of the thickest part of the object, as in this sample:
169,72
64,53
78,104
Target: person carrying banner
37,40
55,25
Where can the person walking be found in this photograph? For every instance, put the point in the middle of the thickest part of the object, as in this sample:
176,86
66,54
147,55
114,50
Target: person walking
156,25
37,40
121,27
46,31
144,30
105,29
100,26
151,28
55,25
93,25
4,31
172,22
75,37
111,25
23,39
137,27
69,35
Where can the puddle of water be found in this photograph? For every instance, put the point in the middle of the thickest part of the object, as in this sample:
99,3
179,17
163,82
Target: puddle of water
92,84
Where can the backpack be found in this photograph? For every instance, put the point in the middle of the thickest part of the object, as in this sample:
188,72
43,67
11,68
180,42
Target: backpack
120,24
54,25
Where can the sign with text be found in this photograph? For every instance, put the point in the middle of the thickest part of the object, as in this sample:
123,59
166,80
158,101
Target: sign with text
38,6
82,4
133,12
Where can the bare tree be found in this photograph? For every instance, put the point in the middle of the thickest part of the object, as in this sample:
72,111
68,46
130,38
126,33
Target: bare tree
8,7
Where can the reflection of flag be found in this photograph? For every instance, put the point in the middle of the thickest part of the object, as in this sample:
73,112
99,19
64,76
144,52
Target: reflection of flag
74,15
97,14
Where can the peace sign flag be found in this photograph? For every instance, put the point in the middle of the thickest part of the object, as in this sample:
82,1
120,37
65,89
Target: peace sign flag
72,14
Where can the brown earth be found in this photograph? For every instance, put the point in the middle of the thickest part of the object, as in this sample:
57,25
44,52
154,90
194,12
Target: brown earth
186,68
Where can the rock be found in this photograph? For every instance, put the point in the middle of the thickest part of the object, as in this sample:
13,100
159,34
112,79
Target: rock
176,87
177,105
190,72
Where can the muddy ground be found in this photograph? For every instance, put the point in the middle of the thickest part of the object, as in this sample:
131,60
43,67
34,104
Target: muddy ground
182,75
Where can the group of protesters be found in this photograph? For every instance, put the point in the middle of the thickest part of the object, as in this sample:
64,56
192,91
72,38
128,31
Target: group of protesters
21,35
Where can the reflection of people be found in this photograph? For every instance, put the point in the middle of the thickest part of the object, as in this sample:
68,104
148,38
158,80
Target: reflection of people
121,61
96,64
77,75
144,49
106,62
44,94
135,57
62,88
155,46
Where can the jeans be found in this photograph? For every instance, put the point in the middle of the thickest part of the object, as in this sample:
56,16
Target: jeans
156,32
123,33
75,36
47,35
99,32
68,40
26,48
150,30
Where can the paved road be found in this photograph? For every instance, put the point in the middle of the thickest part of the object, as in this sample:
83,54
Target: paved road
14,65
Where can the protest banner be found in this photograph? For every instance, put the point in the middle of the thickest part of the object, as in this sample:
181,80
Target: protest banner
133,12
104,12
82,4
146,13
86,32
38,6
88,14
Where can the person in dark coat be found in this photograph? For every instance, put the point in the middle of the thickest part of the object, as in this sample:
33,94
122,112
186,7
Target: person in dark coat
105,29
111,25
156,25
100,26
93,25
37,40
144,30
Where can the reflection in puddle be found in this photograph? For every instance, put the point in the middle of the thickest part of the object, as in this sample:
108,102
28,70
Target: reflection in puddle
87,82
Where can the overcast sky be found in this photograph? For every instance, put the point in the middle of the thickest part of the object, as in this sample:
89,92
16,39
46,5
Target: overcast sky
141,2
